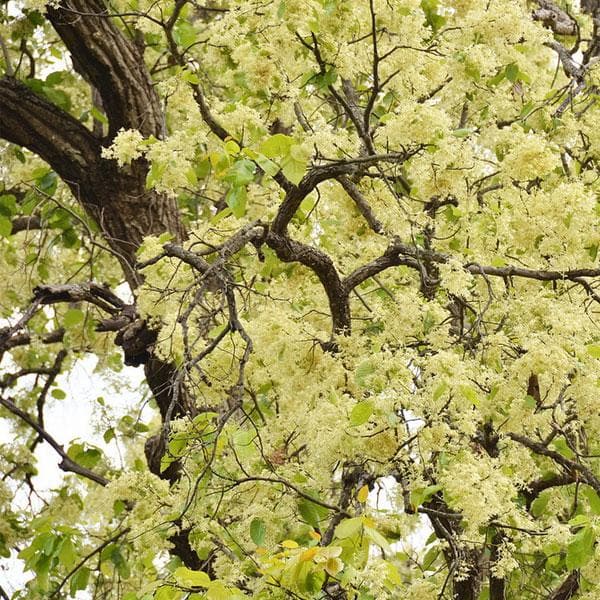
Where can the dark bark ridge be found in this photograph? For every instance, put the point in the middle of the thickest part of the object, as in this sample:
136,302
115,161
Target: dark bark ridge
111,63
117,199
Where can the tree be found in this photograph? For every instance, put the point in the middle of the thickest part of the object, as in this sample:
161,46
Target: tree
353,246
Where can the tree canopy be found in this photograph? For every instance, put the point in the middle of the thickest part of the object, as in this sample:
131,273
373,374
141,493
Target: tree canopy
354,247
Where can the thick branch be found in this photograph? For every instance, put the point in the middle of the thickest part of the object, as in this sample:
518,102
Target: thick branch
289,250
555,18
25,224
117,200
24,338
571,466
111,63
99,295
55,136
400,253
320,173
536,487
567,589
361,203
392,257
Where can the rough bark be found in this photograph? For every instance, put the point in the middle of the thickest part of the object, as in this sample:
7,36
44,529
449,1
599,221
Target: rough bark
568,589
112,63
116,199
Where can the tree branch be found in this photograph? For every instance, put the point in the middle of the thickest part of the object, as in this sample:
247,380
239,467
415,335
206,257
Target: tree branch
361,203
555,18
89,555
570,465
400,253
111,63
55,136
66,464
568,588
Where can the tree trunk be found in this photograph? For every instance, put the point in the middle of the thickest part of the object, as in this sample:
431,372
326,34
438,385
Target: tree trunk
116,199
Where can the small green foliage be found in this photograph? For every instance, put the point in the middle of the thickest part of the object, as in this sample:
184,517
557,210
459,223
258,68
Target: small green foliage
361,413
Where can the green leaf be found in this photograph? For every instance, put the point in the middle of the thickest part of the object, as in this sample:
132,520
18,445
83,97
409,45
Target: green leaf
167,592
157,170
98,115
58,394
579,520
561,446
521,76
67,554
267,165
48,182
349,528
243,438
236,201
69,238
294,166
232,148
592,498
363,371
8,205
184,33
118,507
118,560
5,226
512,72
79,581
19,154
89,458
86,457
470,394
241,173
258,530
462,133
496,79
581,549
593,350
190,77
312,513
73,317
55,78
430,557
361,412
177,445
432,17
538,506
324,80
276,146
420,495
439,391
218,591
378,539
189,578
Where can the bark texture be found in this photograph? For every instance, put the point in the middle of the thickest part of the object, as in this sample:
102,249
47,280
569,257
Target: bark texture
117,199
